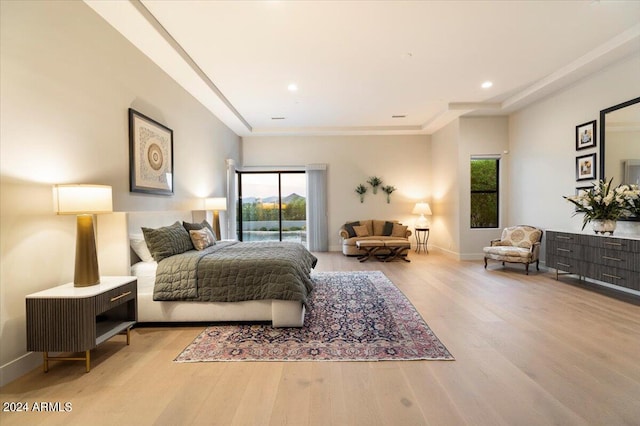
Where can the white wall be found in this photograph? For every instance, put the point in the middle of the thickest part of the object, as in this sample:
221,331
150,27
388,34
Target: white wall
480,136
67,81
401,161
445,232
542,146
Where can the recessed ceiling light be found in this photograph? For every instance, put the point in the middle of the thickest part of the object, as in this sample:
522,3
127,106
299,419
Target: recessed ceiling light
398,116
292,87
487,84
277,118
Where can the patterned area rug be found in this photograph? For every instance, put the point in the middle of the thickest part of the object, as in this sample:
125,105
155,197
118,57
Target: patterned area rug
351,316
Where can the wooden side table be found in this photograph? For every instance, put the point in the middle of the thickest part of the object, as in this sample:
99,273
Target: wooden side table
422,237
77,319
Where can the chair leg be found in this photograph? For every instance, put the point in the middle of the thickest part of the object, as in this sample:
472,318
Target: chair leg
526,268
485,263
538,265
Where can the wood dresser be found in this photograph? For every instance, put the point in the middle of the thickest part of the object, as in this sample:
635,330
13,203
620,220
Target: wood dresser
610,259
77,319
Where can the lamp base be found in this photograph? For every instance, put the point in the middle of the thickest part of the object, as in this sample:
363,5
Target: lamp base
216,224
86,272
422,222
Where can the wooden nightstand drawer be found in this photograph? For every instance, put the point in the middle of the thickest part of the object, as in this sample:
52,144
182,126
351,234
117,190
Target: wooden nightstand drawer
115,297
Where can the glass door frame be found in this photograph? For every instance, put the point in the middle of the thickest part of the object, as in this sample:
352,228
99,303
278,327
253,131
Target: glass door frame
239,174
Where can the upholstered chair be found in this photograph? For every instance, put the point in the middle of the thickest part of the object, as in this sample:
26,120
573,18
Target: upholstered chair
518,244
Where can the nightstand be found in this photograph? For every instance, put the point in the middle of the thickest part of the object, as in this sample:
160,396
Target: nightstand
422,237
77,319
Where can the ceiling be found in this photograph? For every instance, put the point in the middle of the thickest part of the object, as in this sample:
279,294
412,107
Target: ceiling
372,67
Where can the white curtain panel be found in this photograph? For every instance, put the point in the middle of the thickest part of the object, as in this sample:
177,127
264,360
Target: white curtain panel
317,232
232,198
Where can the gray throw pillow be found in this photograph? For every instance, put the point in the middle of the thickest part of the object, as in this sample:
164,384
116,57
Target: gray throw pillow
167,241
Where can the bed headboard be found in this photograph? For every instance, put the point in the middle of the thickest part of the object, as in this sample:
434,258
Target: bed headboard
115,256
136,220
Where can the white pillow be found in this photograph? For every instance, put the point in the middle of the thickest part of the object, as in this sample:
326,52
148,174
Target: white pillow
139,245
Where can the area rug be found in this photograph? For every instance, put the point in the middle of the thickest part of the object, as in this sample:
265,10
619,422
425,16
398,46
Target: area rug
351,316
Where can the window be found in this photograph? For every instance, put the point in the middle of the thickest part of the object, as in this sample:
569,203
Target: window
484,192
273,206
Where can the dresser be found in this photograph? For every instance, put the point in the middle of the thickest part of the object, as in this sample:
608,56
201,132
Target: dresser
77,319
610,259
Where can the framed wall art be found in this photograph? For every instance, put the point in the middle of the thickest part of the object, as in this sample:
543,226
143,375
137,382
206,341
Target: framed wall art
586,167
586,135
150,155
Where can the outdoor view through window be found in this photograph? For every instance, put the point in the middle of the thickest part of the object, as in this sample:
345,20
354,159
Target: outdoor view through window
274,206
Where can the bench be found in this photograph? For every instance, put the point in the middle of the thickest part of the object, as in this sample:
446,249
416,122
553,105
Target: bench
394,249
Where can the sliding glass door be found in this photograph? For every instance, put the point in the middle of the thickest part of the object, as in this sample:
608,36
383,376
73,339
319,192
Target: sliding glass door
272,206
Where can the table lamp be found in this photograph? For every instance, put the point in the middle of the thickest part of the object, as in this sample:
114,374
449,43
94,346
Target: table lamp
216,204
84,201
422,208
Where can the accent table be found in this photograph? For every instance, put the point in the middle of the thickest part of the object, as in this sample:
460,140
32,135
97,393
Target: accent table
77,319
422,237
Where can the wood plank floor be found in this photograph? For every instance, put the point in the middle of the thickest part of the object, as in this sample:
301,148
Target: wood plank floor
529,350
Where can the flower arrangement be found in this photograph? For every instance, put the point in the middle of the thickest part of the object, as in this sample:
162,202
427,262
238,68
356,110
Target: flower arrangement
361,189
375,182
605,202
388,190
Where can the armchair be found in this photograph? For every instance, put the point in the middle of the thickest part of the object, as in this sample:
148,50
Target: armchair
518,244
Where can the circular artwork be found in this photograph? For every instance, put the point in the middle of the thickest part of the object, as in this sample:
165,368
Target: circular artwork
154,155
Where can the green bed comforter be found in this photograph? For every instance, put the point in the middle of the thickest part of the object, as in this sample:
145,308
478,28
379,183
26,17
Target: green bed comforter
232,271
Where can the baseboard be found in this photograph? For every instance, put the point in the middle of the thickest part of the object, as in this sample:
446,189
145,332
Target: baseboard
19,367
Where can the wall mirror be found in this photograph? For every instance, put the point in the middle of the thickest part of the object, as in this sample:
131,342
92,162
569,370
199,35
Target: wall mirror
620,143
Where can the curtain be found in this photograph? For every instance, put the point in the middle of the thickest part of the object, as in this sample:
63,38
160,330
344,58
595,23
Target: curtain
232,199
317,230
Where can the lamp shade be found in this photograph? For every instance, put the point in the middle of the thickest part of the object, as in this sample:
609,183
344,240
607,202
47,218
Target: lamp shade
219,203
82,199
422,208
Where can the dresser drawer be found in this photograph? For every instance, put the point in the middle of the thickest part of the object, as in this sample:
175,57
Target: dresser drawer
564,237
612,243
564,249
116,297
617,276
615,258
566,264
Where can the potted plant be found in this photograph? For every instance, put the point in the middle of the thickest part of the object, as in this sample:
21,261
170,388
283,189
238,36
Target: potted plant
361,189
388,190
375,182
603,205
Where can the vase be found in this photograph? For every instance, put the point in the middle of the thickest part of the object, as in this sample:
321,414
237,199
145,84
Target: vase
602,226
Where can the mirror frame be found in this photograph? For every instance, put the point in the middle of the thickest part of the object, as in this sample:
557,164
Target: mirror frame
603,125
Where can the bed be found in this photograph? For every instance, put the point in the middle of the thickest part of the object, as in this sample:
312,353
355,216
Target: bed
283,308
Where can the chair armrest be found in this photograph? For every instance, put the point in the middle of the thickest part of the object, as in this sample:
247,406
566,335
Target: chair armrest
408,234
496,242
343,234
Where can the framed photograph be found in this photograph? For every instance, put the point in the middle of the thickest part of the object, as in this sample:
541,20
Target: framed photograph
586,167
150,155
586,135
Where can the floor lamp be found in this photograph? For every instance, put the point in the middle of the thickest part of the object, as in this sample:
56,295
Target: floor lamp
216,204
84,201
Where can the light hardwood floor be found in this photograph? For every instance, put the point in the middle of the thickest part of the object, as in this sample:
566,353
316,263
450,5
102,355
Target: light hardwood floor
529,350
